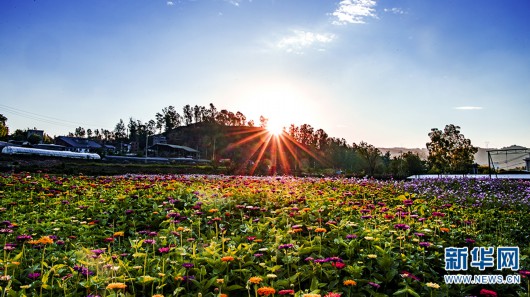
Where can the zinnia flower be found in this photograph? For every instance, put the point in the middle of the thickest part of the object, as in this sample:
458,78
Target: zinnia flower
118,286
286,292
433,285
320,230
266,291
255,280
350,282
227,259
488,293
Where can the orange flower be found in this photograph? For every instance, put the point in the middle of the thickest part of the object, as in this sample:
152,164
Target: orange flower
223,295
158,295
45,240
118,234
321,230
255,280
266,291
227,259
350,282
213,210
444,229
118,286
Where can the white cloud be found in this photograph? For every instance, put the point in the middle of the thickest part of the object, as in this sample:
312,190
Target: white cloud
354,11
303,39
236,2
170,3
468,107
394,10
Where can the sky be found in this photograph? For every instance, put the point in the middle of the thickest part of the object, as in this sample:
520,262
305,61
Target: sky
381,71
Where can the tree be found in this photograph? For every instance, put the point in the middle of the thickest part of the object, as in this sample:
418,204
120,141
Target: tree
370,154
450,151
119,131
79,132
4,130
34,139
187,114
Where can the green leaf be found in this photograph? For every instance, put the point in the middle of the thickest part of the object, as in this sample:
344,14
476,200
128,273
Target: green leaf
234,287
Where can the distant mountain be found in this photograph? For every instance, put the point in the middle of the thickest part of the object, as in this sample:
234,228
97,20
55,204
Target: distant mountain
397,151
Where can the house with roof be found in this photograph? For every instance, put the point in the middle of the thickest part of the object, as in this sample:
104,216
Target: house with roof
78,144
166,150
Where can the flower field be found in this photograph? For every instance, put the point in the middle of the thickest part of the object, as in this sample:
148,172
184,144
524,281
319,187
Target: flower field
168,235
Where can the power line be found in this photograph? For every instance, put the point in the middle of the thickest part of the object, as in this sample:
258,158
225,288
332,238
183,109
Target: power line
43,118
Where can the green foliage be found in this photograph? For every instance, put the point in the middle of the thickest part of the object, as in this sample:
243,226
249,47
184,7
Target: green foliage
450,151
185,235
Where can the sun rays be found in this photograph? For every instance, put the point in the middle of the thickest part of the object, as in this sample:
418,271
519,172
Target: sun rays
271,149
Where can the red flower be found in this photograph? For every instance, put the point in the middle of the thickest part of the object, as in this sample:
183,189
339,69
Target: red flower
338,265
488,293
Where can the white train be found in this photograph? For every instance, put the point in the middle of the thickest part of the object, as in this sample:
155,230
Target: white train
17,150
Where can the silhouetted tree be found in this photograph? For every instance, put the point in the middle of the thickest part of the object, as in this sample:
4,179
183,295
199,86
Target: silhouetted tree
187,114
449,150
119,131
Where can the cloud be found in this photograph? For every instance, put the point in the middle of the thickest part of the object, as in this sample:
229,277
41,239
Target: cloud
303,39
170,3
394,10
468,108
236,2
354,11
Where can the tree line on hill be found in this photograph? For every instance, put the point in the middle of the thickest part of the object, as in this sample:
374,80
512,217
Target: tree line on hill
222,134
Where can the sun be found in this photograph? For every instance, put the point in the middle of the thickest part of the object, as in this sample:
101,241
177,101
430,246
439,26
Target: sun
275,128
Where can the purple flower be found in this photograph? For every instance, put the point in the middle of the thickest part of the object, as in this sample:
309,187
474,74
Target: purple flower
351,236
375,285
24,237
97,252
285,246
163,250
187,265
469,240
425,244
150,241
34,275
402,226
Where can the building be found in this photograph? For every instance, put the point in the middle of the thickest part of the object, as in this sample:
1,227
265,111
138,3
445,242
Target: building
77,144
173,151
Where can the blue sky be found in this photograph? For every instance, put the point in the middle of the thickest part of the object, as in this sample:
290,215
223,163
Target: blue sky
380,71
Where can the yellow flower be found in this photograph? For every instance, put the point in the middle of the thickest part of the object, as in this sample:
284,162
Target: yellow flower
311,295
368,238
119,234
255,280
372,256
118,286
350,282
220,281
433,285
